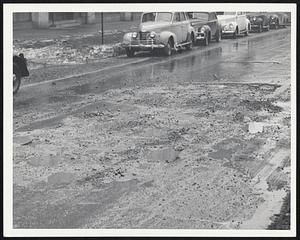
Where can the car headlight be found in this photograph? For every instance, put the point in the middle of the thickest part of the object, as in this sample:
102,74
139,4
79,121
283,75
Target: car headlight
152,35
231,27
134,34
202,29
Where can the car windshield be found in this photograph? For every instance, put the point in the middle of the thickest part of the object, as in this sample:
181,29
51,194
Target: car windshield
229,13
198,15
157,17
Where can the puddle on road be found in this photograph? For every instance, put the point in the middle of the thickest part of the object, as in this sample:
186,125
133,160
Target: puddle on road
254,105
163,154
226,148
22,140
48,161
61,178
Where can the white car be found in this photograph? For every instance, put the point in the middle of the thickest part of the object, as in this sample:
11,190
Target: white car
166,31
233,23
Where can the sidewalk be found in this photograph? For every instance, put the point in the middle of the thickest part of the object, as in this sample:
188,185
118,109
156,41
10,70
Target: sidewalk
80,44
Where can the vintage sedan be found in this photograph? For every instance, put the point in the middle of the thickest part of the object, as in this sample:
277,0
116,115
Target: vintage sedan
206,26
166,31
233,23
278,19
259,22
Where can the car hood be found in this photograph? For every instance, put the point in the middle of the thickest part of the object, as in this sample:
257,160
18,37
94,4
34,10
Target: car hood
273,15
153,26
257,18
224,19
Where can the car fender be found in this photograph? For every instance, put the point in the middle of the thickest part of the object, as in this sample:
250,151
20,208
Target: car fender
234,23
165,35
191,30
206,27
248,23
127,37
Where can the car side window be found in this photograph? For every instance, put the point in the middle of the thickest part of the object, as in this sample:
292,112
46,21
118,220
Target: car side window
211,17
177,17
182,16
190,15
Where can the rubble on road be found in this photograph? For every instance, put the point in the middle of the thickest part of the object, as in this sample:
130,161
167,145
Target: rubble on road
66,50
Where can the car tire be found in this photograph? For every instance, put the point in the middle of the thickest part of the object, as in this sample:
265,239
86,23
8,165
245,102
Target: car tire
168,48
191,39
235,34
247,32
218,36
206,40
16,79
260,28
129,52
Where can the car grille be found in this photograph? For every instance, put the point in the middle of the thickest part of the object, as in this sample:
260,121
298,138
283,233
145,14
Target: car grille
144,42
144,35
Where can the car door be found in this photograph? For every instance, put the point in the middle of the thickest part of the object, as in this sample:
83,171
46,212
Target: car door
176,26
241,21
184,26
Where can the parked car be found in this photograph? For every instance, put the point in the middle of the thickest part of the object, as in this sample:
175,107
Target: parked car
233,23
278,20
206,26
259,22
19,70
166,31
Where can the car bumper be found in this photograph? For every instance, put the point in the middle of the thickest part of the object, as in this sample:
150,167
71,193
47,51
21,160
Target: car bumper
228,32
142,46
200,36
254,27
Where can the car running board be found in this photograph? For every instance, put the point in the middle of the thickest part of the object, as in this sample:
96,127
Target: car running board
179,46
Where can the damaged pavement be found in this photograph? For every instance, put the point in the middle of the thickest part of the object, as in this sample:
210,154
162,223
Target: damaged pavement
199,140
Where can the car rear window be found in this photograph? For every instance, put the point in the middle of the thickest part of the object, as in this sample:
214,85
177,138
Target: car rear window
200,15
159,16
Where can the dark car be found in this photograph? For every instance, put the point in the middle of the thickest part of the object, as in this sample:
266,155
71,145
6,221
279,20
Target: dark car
206,25
274,21
259,22
278,19
19,70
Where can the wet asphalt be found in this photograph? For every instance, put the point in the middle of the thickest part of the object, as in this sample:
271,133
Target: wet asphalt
258,58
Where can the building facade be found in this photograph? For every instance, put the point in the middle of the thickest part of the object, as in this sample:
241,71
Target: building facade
64,19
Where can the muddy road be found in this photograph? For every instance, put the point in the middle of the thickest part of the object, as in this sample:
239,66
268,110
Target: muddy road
198,140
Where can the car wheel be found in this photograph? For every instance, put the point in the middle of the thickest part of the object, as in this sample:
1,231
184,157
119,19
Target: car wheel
218,37
192,39
168,48
235,34
129,52
260,28
247,32
16,79
206,41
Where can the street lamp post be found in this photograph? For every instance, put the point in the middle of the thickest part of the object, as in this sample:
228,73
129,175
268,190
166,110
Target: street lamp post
102,32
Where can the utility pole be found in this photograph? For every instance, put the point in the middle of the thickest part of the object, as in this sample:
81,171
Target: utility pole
102,31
